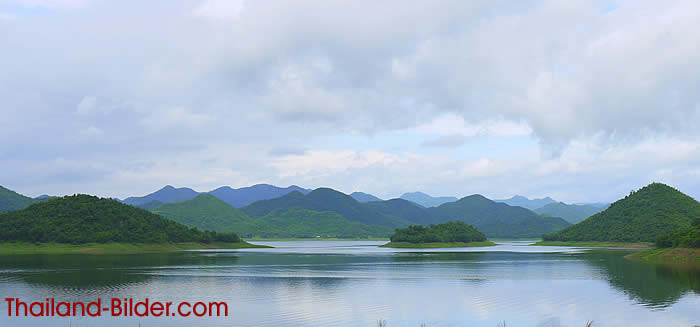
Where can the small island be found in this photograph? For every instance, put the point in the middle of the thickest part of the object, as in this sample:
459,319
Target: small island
445,235
91,225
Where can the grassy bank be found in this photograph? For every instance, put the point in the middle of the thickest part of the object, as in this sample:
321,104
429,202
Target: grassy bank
668,256
113,248
259,239
595,244
436,245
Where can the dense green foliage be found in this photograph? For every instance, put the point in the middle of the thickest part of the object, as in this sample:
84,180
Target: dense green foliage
642,216
455,231
684,238
572,213
497,220
167,194
82,218
11,200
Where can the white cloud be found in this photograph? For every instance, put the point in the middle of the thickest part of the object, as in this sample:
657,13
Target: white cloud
612,93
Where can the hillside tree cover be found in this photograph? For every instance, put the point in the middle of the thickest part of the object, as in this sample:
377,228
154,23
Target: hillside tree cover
684,238
656,209
455,231
83,218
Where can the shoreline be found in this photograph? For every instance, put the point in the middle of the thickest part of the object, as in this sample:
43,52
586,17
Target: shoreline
436,245
597,244
12,248
668,256
293,239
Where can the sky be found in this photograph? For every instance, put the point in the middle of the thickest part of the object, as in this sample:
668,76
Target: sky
582,101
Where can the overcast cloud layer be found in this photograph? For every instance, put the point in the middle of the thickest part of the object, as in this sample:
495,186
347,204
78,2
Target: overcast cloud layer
578,100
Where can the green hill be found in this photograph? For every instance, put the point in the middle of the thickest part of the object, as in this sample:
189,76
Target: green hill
304,223
210,213
11,200
572,213
403,209
80,219
497,219
325,199
149,205
207,212
642,216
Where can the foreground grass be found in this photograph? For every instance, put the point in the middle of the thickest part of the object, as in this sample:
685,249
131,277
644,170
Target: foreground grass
640,245
672,256
436,245
113,248
291,239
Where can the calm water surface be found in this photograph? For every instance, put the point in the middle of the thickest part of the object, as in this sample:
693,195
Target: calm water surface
320,283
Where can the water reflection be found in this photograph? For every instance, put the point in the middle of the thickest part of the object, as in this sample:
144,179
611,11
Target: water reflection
655,286
356,284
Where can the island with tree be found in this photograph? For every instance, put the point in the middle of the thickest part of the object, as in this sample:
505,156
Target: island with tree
446,235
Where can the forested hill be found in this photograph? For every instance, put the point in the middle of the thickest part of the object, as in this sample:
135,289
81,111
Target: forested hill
497,219
11,200
654,210
82,218
325,199
207,212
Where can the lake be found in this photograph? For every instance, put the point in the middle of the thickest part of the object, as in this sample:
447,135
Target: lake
318,283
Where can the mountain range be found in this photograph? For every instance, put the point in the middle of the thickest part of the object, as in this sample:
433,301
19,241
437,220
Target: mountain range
532,204
270,211
572,213
238,198
427,200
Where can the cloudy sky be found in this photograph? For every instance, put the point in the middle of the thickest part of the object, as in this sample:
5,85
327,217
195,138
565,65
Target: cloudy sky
578,100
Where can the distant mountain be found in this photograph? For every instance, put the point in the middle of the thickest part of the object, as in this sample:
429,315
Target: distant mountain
244,196
80,219
654,210
165,195
572,213
325,199
403,209
44,197
207,212
150,205
427,200
601,205
11,200
364,197
497,219
524,202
